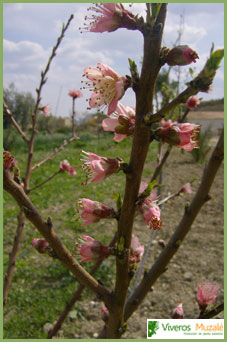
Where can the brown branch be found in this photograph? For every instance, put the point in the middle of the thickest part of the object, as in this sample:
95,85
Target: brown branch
141,141
73,117
13,256
45,181
14,122
76,296
34,116
200,198
212,313
51,155
49,234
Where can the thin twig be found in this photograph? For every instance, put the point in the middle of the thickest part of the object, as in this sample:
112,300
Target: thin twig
14,122
45,181
13,256
56,150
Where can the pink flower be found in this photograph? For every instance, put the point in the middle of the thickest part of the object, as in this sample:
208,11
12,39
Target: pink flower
45,110
121,123
192,102
108,86
149,209
75,93
187,189
181,55
65,166
178,312
98,168
8,160
90,249
93,211
109,18
136,251
206,294
105,315
179,134
40,245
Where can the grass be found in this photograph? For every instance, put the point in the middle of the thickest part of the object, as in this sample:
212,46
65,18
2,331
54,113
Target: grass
42,286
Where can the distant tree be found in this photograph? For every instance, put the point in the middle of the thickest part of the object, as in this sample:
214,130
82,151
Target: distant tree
20,104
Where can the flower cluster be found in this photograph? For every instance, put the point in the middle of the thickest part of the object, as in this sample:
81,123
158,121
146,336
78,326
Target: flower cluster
93,211
179,134
108,86
74,93
90,249
122,122
98,168
65,166
109,18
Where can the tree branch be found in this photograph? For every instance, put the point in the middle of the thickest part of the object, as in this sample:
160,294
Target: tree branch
49,234
14,122
45,181
51,155
212,313
200,198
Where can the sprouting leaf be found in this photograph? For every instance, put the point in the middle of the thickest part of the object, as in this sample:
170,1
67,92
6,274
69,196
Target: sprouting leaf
121,244
149,188
155,9
118,200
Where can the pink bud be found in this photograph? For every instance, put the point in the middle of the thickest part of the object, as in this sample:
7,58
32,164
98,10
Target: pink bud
178,312
136,251
45,110
181,55
40,245
75,93
93,211
98,168
192,102
206,294
187,189
90,249
105,315
179,134
65,166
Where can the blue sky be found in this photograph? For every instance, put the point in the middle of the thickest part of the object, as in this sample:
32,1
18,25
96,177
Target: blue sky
30,30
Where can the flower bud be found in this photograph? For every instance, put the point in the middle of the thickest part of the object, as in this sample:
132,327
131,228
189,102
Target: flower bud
40,245
90,249
192,102
178,312
206,294
181,55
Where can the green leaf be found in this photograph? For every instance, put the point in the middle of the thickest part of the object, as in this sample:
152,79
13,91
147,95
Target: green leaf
118,200
149,188
155,10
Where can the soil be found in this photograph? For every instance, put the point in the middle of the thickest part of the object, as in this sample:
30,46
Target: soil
199,259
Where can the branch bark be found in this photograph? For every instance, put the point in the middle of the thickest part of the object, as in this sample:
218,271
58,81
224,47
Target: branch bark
14,122
141,141
13,256
200,198
49,234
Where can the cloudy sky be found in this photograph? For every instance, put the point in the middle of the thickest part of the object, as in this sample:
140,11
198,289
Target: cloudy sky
30,30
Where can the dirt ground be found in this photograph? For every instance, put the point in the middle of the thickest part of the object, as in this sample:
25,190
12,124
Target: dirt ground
200,258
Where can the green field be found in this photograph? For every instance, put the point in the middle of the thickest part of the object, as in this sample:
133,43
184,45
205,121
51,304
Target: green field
42,286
